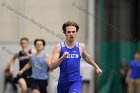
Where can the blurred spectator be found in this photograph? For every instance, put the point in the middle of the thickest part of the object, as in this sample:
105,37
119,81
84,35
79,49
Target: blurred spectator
123,73
133,76
9,86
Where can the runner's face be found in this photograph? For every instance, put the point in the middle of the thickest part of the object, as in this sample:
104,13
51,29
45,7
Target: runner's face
24,44
71,33
39,45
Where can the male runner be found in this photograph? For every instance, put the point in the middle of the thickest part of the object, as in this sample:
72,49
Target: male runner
67,56
39,63
23,57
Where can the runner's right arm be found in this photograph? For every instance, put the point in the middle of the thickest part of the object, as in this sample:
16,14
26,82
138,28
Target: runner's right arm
56,59
26,67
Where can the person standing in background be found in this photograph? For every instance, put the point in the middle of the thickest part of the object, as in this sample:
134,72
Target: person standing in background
133,76
123,73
